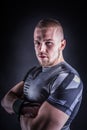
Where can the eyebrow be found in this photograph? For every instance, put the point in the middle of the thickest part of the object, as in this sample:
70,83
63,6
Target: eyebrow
45,40
48,40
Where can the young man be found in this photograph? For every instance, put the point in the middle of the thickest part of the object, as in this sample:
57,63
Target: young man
50,95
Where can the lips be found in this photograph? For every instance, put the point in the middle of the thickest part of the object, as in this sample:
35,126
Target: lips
42,56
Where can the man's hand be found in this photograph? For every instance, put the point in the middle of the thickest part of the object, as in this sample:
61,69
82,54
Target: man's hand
30,109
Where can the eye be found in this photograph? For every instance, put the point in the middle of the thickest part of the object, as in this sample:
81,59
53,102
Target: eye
36,43
49,43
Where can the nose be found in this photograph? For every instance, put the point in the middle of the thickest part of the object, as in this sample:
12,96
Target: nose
42,47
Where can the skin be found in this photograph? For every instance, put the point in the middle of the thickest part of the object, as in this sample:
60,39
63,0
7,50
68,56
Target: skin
49,45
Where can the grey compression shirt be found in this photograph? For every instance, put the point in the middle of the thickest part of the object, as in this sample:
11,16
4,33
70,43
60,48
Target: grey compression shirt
59,85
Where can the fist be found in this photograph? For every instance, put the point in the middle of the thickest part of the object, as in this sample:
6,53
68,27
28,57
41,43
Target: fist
30,109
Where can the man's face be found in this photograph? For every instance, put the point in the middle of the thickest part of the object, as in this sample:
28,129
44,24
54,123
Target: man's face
47,45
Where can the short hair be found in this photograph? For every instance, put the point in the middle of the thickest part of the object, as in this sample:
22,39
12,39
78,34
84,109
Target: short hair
50,22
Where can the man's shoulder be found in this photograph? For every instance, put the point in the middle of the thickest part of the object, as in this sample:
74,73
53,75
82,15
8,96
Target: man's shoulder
33,71
69,68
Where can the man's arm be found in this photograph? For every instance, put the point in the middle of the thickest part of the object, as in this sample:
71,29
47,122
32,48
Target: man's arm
11,96
48,118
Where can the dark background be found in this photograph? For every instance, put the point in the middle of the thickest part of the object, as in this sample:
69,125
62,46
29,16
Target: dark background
17,55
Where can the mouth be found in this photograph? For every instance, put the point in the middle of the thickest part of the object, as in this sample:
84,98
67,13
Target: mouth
42,56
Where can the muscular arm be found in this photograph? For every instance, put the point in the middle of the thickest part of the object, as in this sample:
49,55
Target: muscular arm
13,94
53,117
48,118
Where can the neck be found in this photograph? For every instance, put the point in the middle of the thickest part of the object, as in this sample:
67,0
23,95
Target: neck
60,58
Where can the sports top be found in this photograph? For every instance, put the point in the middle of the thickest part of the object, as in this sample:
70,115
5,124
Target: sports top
60,85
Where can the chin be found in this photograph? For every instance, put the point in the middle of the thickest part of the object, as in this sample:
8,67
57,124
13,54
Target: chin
43,64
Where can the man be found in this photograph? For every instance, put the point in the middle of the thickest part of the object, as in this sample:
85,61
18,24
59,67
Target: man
50,95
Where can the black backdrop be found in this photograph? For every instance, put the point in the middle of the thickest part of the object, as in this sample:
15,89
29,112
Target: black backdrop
18,20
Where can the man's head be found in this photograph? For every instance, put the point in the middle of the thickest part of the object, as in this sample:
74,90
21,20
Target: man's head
49,42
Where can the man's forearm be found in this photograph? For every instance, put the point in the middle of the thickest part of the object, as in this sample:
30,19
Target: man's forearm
7,102
12,95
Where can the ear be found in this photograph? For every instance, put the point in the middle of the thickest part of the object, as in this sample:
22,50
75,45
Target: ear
63,44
